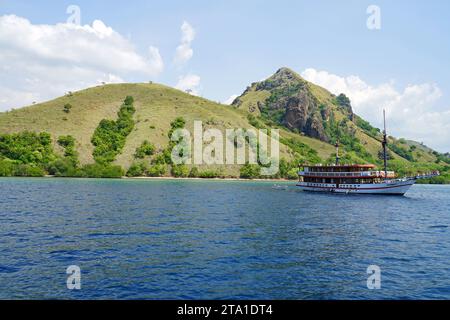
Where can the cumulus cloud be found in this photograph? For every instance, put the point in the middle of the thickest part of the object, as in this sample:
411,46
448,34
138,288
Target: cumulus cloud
230,100
189,83
40,62
184,51
413,112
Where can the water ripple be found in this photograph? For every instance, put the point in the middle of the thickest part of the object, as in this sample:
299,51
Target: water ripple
219,240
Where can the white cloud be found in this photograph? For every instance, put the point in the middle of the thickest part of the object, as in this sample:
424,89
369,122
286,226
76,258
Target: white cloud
230,100
412,112
155,60
184,51
189,83
40,62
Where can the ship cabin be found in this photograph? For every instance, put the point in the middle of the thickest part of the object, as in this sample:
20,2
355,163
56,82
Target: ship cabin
314,175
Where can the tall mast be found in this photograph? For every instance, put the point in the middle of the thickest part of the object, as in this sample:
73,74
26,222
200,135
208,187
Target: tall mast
337,152
384,143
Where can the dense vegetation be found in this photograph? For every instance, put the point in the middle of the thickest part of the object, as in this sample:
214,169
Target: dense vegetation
145,149
367,127
403,152
130,139
110,136
161,163
68,143
303,153
340,131
25,154
30,154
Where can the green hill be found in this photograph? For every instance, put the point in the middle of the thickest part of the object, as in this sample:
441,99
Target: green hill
310,120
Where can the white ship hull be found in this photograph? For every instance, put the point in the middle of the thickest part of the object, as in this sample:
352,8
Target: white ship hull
393,187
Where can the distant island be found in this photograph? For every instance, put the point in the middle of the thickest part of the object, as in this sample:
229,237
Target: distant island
117,130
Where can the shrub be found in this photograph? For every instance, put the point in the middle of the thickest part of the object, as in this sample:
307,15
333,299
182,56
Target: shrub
110,136
6,168
137,169
129,100
145,149
180,171
166,156
209,174
178,123
194,172
344,102
101,171
63,168
67,107
159,159
27,170
250,171
367,127
253,121
289,170
407,154
27,148
301,149
157,170
68,143
292,174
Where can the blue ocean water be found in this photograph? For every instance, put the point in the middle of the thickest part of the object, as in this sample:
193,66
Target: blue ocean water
146,239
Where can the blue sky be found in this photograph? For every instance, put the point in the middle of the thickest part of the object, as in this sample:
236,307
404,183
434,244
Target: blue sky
238,42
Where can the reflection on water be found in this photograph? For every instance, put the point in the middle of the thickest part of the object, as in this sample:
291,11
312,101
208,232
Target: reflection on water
137,239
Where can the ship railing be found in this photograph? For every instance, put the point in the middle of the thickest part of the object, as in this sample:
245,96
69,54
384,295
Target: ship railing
427,175
378,174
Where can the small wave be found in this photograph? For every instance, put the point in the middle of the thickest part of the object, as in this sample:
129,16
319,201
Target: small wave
5,269
396,259
280,187
439,226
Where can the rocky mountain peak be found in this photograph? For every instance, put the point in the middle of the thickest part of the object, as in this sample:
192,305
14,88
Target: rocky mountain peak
286,73
287,99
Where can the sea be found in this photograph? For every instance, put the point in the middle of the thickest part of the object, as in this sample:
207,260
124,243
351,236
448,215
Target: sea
204,239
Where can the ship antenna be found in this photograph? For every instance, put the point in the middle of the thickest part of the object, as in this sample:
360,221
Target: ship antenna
337,152
384,143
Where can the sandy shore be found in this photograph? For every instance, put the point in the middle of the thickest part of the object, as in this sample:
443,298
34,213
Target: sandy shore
167,178
208,179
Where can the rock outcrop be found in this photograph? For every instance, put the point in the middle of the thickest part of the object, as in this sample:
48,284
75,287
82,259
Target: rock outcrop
290,96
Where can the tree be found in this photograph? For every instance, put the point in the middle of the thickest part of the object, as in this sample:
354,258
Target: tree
145,149
157,170
129,100
67,108
250,171
344,101
194,173
137,169
180,171
110,136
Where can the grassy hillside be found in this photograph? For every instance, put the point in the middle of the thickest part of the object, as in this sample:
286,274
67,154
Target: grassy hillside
80,114
276,96
156,107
